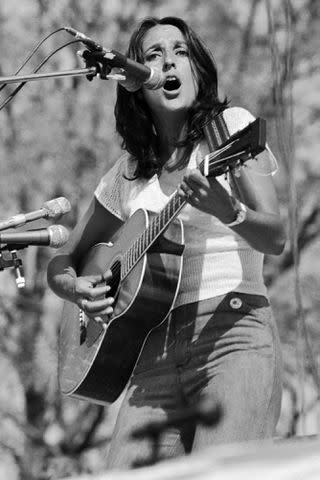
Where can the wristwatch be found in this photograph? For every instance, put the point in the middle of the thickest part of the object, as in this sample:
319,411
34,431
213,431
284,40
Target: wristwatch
241,210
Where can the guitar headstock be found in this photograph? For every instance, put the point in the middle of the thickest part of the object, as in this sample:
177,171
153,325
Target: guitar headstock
240,147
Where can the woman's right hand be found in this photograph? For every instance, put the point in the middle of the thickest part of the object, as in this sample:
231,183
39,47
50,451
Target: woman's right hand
89,293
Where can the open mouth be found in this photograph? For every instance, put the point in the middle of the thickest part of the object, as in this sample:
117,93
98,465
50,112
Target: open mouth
171,84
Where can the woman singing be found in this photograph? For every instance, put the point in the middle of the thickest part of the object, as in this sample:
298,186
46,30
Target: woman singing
220,341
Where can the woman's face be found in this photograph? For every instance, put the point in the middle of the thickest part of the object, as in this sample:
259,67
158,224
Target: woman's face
165,49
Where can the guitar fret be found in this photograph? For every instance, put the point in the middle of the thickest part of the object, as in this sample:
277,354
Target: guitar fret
149,236
140,245
167,213
135,254
127,267
131,256
169,208
124,264
145,238
163,218
142,242
157,224
213,161
152,231
155,227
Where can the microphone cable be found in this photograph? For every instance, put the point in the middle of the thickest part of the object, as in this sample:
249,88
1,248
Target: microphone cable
22,84
32,53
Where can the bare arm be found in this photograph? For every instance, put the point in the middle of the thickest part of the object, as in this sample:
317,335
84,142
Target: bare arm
97,225
262,228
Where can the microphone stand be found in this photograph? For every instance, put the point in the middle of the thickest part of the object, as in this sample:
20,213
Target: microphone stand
96,64
206,414
40,76
13,262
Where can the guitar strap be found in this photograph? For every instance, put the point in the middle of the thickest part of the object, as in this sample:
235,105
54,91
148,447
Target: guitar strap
216,132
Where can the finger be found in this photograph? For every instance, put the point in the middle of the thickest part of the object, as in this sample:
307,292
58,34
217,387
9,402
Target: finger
93,293
106,276
194,183
99,278
95,279
98,306
102,317
193,200
106,312
194,177
193,194
82,303
103,321
184,191
213,183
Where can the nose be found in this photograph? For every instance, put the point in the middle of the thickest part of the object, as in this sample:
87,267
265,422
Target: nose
168,61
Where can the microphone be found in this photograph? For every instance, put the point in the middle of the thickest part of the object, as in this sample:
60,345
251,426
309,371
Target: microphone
142,74
51,209
54,236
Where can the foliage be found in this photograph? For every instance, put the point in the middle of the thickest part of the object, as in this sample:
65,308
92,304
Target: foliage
58,138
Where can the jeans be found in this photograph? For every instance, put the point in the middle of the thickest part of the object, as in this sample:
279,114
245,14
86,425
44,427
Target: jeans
225,349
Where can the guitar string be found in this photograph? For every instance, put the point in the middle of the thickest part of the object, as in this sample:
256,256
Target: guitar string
133,251
157,224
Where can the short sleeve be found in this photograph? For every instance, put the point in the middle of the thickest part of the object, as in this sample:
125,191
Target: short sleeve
236,119
111,189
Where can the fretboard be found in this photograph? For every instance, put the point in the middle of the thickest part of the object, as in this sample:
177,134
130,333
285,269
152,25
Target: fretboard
157,226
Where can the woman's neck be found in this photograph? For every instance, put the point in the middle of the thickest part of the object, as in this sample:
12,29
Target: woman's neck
170,131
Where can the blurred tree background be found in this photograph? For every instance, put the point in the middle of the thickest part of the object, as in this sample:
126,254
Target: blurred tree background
58,138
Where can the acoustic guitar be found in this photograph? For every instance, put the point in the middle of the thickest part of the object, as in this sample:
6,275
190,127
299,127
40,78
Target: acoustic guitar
96,360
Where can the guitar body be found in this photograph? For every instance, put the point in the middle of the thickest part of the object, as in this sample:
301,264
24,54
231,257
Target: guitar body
96,364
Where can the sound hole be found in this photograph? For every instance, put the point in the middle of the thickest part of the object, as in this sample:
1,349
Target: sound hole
115,280
89,329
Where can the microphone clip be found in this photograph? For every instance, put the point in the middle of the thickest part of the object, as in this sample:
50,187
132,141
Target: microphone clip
97,60
13,262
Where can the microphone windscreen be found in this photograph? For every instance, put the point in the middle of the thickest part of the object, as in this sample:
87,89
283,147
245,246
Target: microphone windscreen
57,206
59,236
156,80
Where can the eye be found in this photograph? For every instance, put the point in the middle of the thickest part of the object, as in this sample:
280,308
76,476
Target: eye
152,56
183,52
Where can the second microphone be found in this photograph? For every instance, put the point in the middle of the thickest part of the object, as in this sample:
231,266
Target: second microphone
54,236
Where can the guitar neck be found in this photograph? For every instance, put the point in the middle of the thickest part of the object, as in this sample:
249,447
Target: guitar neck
240,147
158,224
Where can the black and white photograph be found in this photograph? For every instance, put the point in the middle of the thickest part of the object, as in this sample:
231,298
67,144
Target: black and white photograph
159,240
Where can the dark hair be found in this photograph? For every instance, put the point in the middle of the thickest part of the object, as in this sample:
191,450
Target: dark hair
133,117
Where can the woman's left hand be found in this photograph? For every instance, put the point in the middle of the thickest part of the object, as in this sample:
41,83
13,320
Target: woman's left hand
208,195
263,227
